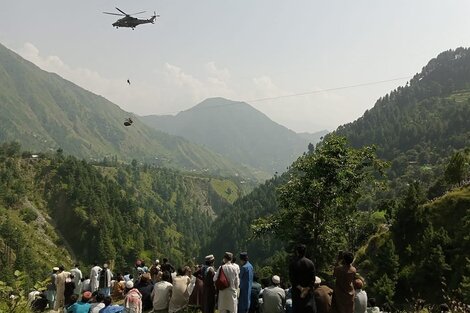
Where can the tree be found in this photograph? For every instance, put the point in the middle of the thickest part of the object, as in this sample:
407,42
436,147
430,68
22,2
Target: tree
457,168
317,202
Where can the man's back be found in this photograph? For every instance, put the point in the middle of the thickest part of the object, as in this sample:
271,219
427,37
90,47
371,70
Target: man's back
323,295
274,299
79,307
360,301
302,272
161,295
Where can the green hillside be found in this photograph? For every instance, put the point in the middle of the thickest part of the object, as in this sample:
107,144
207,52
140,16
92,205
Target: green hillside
43,112
237,131
101,211
426,119
409,230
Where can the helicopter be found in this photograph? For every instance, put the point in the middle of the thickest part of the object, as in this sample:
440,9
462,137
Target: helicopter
129,21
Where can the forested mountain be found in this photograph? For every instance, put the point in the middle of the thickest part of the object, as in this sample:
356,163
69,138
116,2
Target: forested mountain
427,118
237,131
103,211
420,129
44,112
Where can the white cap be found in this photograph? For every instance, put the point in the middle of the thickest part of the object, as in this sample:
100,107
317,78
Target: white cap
129,284
317,280
276,279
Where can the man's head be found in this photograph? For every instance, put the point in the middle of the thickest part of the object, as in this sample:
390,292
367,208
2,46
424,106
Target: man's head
243,257
165,260
209,259
276,280
358,283
300,250
166,276
86,296
348,257
228,257
107,301
99,297
317,282
159,276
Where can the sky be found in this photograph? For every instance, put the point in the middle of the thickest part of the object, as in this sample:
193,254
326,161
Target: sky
243,50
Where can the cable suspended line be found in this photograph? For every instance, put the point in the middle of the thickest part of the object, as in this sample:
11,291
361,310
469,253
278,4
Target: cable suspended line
301,93
329,89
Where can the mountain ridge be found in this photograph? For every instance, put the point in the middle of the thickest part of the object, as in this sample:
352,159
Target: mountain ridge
236,130
45,112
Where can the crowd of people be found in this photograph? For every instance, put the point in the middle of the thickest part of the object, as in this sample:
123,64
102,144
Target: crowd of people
231,287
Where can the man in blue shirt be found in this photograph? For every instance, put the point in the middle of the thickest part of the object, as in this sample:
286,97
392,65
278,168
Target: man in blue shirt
246,281
81,306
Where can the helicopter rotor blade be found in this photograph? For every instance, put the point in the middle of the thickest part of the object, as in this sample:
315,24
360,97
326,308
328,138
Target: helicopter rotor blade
138,13
121,11
114,14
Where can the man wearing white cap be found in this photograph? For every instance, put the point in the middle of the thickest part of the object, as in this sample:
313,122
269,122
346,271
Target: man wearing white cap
52,288
274,297
133,300
154,270
322,294
208,288
104,281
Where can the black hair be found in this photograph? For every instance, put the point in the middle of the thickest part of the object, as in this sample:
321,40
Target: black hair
166,276
99,297
300,249
372,301
444,307
77,264
107,300
165,260
73,299
348,257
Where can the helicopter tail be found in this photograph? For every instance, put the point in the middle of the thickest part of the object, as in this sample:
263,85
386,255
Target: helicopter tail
152,19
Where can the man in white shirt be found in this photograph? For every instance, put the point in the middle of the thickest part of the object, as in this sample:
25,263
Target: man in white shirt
228,298
77,279
94,277
161,293
360,297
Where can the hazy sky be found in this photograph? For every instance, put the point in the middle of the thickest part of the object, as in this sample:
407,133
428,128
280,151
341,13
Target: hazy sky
241,50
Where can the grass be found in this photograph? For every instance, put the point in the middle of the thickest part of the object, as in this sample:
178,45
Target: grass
225,188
